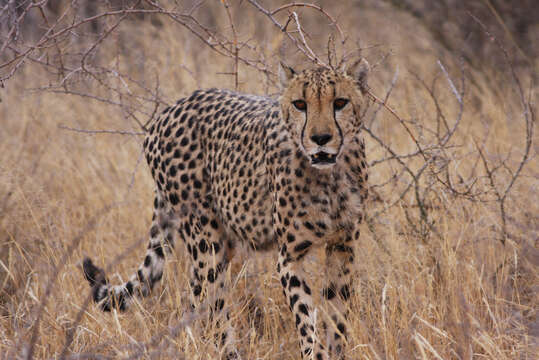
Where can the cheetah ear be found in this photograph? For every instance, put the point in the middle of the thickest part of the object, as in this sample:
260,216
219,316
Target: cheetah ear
359,71
286,73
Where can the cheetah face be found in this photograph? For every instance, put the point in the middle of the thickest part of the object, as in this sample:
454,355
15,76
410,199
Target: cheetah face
321,109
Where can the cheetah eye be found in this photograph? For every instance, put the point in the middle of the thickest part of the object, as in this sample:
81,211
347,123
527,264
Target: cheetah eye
340,103
300,105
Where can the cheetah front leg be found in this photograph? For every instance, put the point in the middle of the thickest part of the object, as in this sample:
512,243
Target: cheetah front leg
337,291
298,294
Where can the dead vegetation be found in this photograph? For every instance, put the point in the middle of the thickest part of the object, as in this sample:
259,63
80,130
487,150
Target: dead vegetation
449,250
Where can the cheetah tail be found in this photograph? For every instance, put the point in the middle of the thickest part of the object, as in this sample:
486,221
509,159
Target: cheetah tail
100,287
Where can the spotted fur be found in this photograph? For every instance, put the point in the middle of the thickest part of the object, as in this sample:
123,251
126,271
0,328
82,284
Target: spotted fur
235,168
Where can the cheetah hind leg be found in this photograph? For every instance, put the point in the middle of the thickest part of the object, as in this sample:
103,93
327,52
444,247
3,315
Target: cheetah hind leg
162,238
210,255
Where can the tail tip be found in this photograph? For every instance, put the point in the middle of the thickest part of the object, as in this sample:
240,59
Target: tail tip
92,273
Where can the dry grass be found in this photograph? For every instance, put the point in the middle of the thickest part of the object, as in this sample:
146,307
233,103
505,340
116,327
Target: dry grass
438,288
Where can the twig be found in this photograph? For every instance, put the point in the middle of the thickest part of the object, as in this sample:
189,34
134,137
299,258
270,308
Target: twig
388,94
235,43
453,88
383,103
302,36
316,7
115,132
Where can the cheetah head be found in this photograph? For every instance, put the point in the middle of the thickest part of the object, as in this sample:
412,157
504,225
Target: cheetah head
321,108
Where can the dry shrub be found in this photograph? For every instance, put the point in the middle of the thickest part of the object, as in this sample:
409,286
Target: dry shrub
449,254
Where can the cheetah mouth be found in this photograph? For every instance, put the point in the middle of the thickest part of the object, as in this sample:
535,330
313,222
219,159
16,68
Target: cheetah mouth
323,158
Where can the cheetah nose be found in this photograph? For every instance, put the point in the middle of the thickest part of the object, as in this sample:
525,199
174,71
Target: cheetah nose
321,139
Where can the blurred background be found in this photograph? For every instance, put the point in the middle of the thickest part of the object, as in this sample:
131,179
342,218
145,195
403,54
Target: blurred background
449,252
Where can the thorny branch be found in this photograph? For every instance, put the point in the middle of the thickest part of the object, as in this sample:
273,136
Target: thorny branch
438,156
528,115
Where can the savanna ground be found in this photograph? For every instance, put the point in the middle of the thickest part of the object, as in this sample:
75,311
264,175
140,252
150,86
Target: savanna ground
449,252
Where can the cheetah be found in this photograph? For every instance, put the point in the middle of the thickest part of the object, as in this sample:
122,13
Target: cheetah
288,174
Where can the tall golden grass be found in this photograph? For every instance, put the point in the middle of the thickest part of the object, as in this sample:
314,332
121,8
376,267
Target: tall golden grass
439,286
